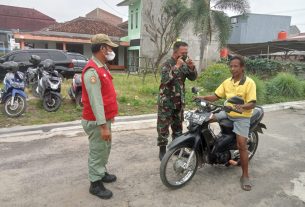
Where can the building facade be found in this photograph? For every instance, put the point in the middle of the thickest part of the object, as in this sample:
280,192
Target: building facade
256,28
140,44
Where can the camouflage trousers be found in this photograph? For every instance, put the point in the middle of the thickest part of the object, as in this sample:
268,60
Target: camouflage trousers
168,117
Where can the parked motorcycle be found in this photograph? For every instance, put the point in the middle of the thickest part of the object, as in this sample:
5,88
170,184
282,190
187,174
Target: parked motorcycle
49,86
31,75
199,145
12,95
75,91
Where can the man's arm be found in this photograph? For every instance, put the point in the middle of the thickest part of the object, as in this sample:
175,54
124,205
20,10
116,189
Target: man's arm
210,98
189,70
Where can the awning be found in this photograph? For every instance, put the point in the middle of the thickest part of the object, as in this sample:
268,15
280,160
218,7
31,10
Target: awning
267,47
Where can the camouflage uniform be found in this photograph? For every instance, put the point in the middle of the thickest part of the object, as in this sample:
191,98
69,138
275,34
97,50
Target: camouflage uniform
171,99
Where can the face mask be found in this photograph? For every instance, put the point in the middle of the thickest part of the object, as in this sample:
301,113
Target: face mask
110,56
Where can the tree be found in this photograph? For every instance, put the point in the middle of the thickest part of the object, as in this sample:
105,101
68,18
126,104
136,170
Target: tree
164,30
209,18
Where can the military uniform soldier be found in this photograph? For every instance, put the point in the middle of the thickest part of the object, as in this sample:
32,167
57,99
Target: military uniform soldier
100,108
171,98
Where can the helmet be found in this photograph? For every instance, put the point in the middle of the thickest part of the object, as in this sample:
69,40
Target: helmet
35,59
48,65
11,66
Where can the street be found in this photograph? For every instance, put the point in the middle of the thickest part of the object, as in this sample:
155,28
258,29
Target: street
53,171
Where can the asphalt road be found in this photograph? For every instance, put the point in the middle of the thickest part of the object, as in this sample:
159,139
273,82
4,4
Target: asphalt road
53,172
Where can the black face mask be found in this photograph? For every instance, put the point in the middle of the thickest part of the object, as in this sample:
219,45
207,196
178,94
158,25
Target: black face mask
184,57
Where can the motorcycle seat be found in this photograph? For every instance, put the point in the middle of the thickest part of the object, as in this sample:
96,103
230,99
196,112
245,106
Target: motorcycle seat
256,115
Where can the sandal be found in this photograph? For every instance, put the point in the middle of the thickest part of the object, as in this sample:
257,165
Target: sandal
245,183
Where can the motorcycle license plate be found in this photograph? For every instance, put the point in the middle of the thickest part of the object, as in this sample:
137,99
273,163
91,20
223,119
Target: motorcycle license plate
195,117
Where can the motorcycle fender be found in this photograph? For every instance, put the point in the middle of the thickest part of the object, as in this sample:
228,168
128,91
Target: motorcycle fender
19,92
260,128
56,93
187,138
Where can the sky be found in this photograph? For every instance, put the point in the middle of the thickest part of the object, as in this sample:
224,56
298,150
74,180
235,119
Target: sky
65,10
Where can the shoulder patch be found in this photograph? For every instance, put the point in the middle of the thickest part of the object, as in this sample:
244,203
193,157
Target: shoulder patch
93,79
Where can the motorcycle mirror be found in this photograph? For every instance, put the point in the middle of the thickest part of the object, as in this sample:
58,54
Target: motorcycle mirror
236,100
195,90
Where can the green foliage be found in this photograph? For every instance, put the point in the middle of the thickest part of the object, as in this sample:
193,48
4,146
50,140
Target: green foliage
260,89
267,68
213,76
285,85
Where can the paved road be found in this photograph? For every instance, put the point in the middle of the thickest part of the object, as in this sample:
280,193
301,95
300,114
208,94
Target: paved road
53,172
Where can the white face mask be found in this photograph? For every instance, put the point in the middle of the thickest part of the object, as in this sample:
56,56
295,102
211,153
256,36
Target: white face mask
110,56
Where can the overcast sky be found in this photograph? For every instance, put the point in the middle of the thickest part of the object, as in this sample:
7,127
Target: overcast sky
65,10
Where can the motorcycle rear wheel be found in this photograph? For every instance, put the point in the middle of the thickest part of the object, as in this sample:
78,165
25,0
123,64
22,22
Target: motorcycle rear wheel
173,171
78,99
17,108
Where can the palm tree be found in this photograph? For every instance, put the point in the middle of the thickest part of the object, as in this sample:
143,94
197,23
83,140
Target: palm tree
209,18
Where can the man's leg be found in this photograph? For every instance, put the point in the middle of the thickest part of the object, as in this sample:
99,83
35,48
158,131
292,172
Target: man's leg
163,122
98,156
176,125
241,129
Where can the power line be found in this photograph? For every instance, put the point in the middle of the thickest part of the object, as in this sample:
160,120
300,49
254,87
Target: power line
114,9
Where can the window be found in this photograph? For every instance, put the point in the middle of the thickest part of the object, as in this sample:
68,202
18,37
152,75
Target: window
131,20
137,16
42,55
57,55
19,57
234,20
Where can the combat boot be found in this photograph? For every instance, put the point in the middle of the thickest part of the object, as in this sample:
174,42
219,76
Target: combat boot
97,188
162,152
108,178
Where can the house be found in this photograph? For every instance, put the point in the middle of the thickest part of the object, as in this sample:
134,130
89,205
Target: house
101,14
256,28
75,35
140,44
19,19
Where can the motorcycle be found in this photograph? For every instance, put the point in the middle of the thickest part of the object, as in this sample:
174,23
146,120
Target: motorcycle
31,75
49,86
12,95
199,145
75,91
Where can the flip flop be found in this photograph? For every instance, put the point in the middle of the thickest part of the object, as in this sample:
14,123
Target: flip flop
245,183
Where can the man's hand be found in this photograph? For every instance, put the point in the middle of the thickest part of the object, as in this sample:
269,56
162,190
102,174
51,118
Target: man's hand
179,62
105,133
239,107
190,64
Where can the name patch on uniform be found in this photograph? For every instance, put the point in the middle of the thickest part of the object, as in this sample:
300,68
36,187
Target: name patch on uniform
93,79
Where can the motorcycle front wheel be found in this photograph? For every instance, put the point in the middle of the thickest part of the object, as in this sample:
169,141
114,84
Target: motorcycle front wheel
17,108
51,102
178,166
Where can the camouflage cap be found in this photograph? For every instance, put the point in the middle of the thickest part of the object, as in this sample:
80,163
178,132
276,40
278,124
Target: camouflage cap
102,38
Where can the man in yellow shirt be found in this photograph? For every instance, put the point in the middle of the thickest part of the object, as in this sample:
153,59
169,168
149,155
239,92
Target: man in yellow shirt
244,87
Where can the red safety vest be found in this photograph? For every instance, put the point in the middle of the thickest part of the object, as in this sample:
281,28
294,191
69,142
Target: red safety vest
107,90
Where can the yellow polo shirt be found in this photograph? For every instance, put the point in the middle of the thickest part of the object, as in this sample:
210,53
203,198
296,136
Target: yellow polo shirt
245,88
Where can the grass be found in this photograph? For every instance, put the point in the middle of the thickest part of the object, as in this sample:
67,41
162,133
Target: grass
134,98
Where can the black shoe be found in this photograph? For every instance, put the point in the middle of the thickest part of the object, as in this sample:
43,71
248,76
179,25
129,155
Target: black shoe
162,152
108,178
97,188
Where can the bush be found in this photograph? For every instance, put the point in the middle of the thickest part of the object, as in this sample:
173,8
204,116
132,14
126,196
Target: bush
213,76
285,85
260,89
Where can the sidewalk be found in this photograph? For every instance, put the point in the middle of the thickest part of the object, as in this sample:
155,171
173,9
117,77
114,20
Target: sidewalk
122,123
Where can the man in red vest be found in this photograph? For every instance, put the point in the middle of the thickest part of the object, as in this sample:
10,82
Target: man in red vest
100,108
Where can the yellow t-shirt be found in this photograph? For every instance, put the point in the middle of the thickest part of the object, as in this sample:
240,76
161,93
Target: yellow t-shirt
245,88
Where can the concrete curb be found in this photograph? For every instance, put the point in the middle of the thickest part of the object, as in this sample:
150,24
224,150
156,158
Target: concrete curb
123,123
